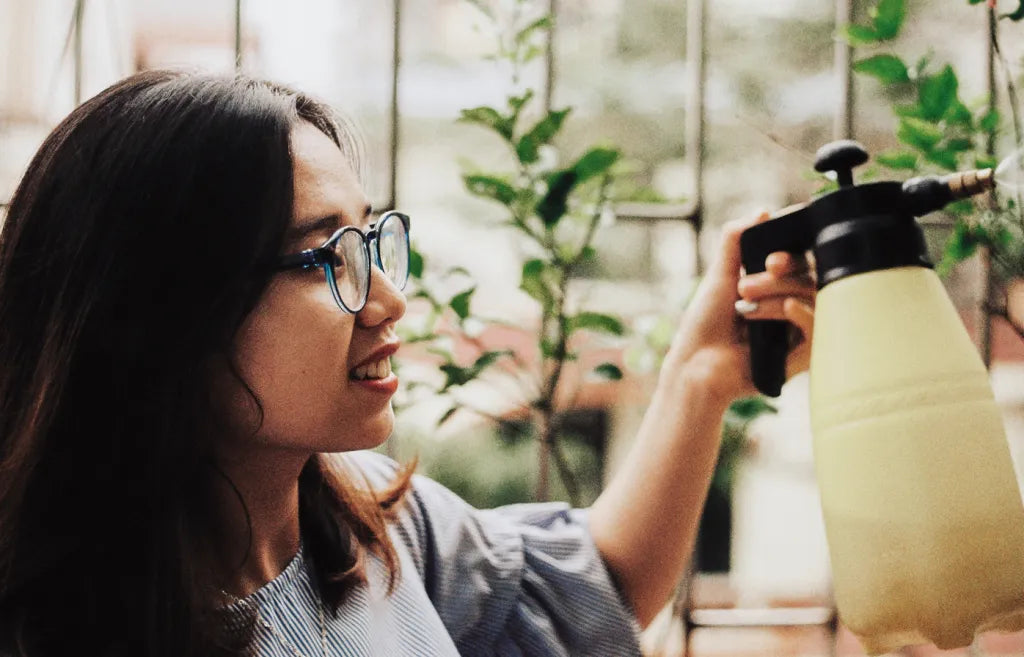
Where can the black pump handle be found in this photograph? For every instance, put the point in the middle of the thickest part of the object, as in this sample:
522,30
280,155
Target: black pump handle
769,338
792,232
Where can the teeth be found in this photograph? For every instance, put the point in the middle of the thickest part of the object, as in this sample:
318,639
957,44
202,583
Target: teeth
377,370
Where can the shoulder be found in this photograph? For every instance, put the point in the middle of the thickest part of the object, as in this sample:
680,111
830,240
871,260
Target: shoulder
425,499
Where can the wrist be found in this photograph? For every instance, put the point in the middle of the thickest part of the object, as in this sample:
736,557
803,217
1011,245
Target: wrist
704,377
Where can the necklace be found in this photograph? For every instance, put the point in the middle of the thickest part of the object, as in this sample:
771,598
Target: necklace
278,634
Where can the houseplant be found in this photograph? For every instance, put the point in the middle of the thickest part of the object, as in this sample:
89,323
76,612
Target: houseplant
938,132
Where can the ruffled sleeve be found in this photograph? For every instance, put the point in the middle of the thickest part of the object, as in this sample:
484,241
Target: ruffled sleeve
517,580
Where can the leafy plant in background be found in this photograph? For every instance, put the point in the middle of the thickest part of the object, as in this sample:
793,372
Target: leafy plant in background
554,208
938,132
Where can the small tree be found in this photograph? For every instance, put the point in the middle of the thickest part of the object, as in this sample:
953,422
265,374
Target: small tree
553,207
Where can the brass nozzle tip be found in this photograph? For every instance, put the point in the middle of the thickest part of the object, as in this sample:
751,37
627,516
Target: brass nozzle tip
969,183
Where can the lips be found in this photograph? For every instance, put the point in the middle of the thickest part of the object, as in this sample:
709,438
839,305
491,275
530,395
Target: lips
375,370
375,366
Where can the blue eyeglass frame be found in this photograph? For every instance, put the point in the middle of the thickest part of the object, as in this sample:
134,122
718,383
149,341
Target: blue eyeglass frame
324,258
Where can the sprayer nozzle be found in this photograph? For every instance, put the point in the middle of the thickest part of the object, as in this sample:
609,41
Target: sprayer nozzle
968,183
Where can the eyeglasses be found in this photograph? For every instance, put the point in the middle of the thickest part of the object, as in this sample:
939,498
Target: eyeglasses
346,257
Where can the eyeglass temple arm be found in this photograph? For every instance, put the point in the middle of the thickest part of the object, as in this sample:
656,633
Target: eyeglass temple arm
304,259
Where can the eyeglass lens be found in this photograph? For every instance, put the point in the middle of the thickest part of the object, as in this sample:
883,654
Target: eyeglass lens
351,269
393,248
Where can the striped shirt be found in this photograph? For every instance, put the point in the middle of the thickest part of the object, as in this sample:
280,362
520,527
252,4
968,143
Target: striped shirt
517,581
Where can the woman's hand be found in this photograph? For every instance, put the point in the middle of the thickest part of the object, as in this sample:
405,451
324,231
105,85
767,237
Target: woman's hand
710,347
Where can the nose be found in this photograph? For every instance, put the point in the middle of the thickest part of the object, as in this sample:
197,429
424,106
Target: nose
385,303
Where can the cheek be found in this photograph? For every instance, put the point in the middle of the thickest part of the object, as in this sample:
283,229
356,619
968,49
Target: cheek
293,352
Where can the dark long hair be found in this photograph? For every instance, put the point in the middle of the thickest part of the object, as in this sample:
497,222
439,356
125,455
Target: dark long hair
132,251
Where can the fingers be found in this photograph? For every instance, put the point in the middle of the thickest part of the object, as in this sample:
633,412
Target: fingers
799,310
782,264
801,314
729,249
767,284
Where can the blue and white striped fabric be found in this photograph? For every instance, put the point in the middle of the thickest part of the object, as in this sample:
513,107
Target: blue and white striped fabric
523,580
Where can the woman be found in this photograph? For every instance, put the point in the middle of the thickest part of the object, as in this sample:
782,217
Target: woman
189,321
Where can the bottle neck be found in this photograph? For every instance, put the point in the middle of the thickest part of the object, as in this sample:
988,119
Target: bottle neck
868,243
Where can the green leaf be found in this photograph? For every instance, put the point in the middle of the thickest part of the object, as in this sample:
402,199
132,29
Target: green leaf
595,162
455,376
532,282
747,408
898,160
985,162
913,111
608,371
489,118
460,303
860,35
542,23
490,187
959,144
962,243
975,2
596,322
530,53
516,103
447,415
959,114
919,134
989,122
488,358
887,18
964,207
937,93
541,134
1017,14
889,69
945,158
554,204
921,65
415,263
458,376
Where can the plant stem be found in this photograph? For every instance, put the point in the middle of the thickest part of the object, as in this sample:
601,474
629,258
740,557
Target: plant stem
595,219
546,401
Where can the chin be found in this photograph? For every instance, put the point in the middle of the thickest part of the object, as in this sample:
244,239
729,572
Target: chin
372,432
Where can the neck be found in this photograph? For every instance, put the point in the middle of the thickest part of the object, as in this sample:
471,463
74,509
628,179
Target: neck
268,483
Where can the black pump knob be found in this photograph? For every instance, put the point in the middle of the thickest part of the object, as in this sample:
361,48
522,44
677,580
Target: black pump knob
840,156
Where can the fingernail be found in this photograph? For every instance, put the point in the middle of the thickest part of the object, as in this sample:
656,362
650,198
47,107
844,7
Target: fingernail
744,307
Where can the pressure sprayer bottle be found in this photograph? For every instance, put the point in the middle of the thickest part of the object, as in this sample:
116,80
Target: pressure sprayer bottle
922,509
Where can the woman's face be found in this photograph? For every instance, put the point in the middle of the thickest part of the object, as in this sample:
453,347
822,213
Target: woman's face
298,351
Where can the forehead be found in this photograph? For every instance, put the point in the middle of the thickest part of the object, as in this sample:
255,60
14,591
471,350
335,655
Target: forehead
325,182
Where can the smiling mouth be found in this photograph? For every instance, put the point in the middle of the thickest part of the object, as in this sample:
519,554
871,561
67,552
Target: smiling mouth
380,369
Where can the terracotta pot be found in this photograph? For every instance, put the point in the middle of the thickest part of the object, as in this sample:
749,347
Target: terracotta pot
1015,302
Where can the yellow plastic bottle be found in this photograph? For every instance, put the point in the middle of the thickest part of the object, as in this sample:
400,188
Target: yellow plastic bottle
922,508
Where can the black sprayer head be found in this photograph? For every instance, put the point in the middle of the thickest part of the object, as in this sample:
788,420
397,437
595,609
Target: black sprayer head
853,230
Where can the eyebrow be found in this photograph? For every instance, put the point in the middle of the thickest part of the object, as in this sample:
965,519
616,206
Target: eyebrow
328,222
